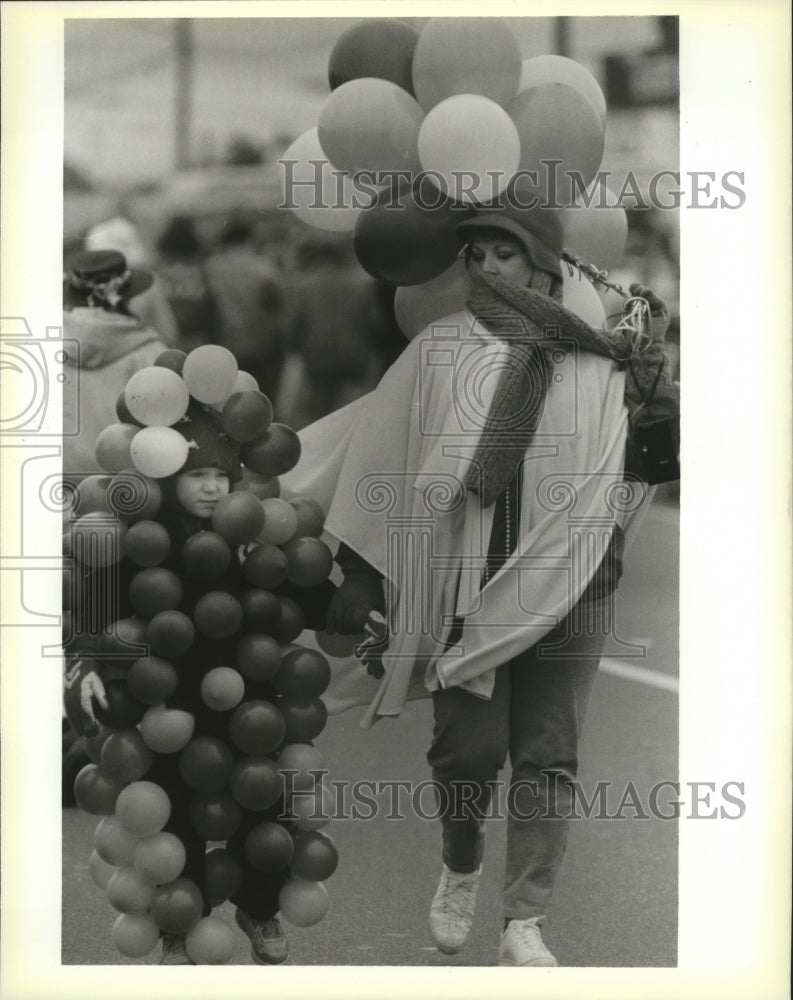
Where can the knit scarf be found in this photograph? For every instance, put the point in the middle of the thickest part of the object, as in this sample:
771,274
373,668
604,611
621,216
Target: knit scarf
531,321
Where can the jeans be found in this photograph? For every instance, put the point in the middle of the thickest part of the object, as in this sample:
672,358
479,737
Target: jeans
535,715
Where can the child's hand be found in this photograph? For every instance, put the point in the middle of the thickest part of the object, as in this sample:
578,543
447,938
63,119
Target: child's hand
354,600
81,685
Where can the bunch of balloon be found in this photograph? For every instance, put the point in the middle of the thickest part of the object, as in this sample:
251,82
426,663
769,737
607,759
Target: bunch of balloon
210,704
423,127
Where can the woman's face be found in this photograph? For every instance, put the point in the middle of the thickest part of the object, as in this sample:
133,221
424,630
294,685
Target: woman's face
199,490
502,257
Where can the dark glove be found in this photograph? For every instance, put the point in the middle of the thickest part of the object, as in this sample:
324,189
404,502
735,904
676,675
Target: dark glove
359,595
82,684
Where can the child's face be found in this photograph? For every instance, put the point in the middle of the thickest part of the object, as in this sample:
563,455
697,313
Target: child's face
199,490
502,257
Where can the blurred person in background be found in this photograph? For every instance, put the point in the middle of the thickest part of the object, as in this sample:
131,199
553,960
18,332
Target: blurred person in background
100,298
336,339
180,269
247,289
152,307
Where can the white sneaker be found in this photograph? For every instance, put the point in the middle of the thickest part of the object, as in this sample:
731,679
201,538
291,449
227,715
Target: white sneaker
522,944
452,909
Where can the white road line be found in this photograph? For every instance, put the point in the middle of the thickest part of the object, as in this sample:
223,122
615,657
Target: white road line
630,672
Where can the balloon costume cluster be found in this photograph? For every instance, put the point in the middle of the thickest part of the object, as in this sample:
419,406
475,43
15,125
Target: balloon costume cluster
422,127
211,705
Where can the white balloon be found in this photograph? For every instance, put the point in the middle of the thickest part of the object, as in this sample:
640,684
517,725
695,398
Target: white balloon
580,297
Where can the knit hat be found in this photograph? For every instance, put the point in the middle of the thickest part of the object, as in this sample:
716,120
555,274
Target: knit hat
538,230
102,278
210,446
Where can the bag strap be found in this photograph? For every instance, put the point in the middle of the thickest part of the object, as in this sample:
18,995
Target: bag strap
653,387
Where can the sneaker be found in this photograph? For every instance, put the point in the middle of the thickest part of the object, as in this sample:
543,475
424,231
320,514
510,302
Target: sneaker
452,909
174,951
522,944
268,941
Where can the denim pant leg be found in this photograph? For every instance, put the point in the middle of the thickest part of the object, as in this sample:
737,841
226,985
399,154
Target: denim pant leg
469,747
548,704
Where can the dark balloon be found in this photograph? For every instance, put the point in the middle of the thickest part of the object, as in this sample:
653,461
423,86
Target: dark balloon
380,47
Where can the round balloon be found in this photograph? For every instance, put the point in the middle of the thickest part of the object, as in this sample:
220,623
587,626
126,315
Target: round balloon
222,688
560,134
318,194
257,727
156,395
238,517
100,870
303,903
466,55
217,614
261,610
91,496
112,449
123,639
206,556
275,452
312,809
135,934
315,858
223,876
370,124
300,767
159,858
167,730
280,524
170,633
265,566
115,845
303,675
146,543
379,46
143,808
98,539
125,757
206,764
417,306
128,892
210,942
291,622
133,496
580,297
155,589
158,451
247,414
171,358
539,70
309,561
210,373
215,815
152,680
256,783
304,719
269,847
596,227
177,906
258,656
310,517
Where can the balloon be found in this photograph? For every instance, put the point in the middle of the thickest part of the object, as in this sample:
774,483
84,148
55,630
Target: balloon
315,858
125,757
210,942
258,657
291,623
310,517
223,876
478,56
280,523
244,382
268,847
265,566
143,808
312,809
470,148
123,708
123,414
170,633
303,675
417,306
98,539
260,486
215,815
167,730
596,227
257,727
238,517
338,646
177,906
123,639
154,590
304,719
556,122
146,543
298,764
210,373
381,47
246,415
541,70
133,496
275,452
261,610
310,561
315,191
90,496
94,744
409,237
112,449
222,688
173,359
206,557
152,680
158,451
205,764
217,614
371,124
156,395
100,871
159,858
256,783
128,892
580,297
114,845
135,934
303,903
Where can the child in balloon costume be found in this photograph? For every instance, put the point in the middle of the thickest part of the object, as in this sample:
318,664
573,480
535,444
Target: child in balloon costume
199,710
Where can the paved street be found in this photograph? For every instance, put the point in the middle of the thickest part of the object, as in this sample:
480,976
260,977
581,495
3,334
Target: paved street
616,902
